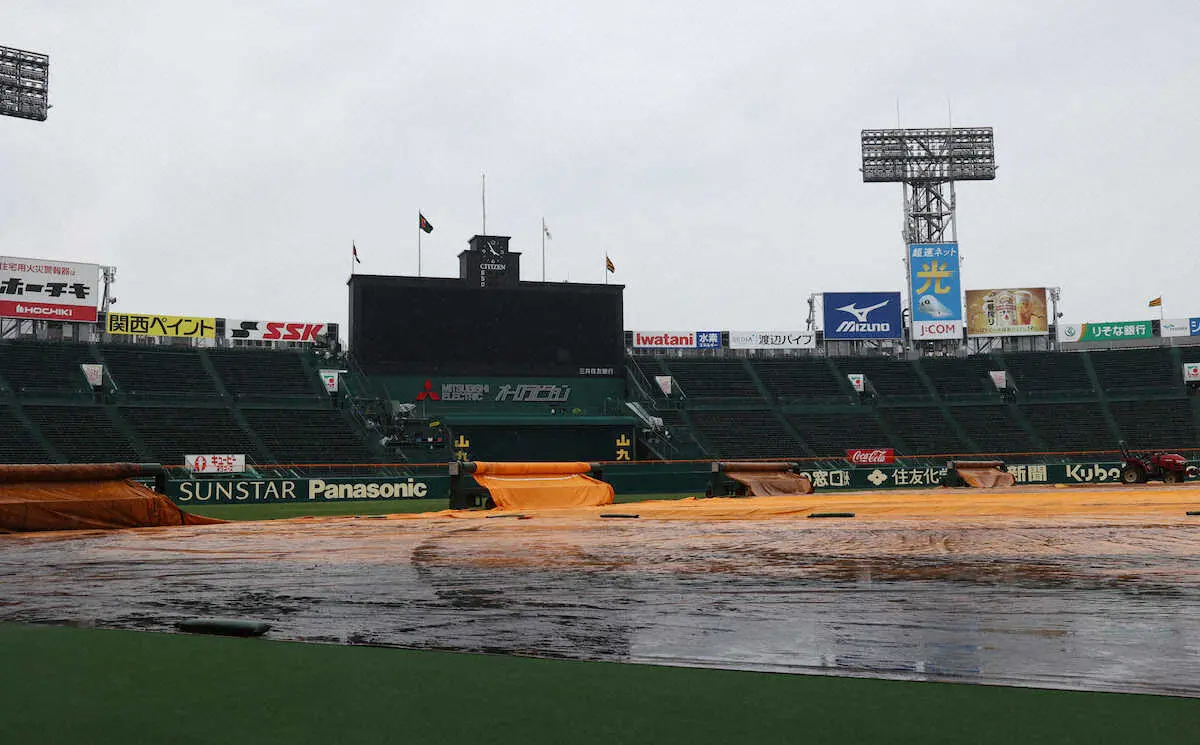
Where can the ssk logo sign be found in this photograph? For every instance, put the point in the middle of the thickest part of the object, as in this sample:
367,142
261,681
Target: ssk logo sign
872,457
303,333
862,315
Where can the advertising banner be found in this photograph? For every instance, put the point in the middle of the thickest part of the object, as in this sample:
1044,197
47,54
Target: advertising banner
215,463
999,378
858,381
305,333
772,340
871,457
330,378
677,339
145,324
1191,372
48,290
249,491
1175,327
1018,311
936,291
1107,331
862,315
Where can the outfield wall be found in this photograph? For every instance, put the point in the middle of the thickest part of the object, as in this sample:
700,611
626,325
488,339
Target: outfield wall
635,478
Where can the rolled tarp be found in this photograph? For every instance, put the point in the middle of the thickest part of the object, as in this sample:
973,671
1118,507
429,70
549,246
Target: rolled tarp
85,497
982,474
767,479
531,486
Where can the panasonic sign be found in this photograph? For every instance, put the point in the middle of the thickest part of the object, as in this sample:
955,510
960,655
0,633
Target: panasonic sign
862,315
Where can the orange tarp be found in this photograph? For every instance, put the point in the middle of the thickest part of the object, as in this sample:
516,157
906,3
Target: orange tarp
771,484
927,505
528,486
83,497
983,474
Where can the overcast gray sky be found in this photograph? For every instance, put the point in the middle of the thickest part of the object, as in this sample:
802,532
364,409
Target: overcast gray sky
223,155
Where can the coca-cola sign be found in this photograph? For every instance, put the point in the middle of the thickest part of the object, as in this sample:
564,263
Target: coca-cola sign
871,457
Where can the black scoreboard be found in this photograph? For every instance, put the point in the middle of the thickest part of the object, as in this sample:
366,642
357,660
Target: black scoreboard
485,323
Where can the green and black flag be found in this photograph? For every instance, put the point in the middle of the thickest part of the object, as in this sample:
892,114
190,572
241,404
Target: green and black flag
424,224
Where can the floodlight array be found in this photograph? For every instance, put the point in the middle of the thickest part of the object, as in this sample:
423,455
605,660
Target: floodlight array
928,155
24,84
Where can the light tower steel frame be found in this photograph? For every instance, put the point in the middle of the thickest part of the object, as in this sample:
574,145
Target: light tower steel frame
927,163
24,84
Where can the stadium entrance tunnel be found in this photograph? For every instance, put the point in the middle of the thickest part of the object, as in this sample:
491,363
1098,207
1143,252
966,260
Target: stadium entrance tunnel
86,497
528,486
736,479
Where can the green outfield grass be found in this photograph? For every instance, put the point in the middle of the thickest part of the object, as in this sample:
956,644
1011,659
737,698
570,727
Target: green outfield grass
278,510
64,685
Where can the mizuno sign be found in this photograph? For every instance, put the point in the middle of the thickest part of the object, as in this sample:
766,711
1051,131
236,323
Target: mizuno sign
862,315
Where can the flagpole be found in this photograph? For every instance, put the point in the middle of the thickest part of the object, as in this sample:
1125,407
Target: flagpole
353,249
543,249
483,200
419,213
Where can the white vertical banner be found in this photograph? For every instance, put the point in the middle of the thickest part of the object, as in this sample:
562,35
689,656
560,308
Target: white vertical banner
665,383
858,380
331,379
999,379
1191,372
94,375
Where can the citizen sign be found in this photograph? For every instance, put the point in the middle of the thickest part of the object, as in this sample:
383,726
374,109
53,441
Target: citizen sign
875,457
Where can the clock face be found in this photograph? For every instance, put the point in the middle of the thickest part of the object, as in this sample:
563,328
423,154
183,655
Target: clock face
493,247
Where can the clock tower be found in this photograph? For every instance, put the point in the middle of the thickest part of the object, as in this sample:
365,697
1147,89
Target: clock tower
489,263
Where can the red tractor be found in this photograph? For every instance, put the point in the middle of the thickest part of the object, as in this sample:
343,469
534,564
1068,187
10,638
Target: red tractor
1171,468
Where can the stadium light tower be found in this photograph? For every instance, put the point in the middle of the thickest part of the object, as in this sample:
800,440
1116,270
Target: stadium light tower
926,161
24,84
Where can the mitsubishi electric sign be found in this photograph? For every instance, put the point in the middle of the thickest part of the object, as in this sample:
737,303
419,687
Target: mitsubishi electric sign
862,315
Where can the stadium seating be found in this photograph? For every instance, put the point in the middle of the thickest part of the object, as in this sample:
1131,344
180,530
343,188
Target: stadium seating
169,433
1070,426
832,434
1136,370
261,374
922,430
713,378
159,373
894,380
1049,373
17,443
801,380
83,434
745,434
993,429
45,369
1155,424
309,436
962,379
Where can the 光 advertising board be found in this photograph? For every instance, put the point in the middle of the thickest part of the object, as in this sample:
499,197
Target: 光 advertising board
48,290
862,315
936,291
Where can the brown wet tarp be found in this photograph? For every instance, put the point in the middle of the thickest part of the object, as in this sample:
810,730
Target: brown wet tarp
767,482
524,486
983,474
84,497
